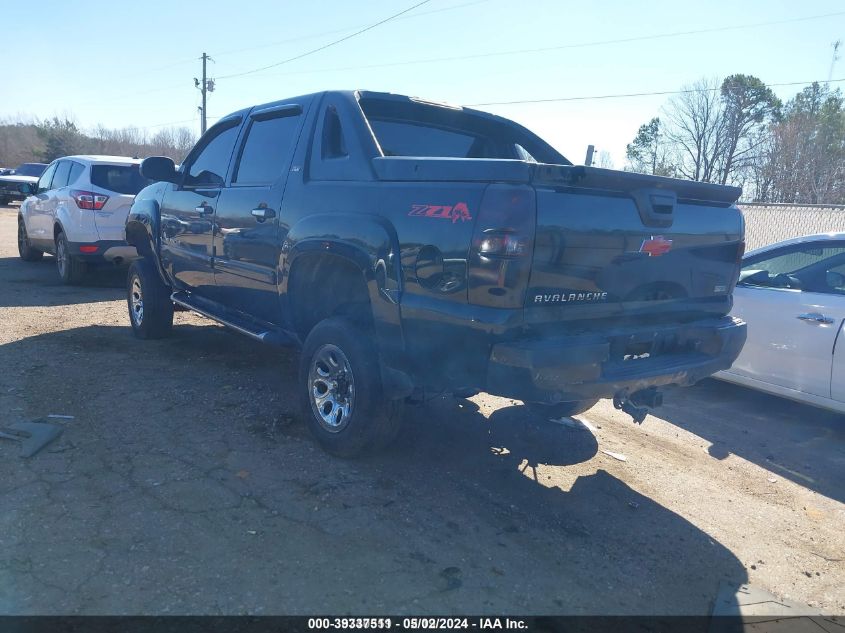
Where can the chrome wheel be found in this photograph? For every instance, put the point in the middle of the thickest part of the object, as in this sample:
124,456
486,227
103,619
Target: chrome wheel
332,388
136,302
61,256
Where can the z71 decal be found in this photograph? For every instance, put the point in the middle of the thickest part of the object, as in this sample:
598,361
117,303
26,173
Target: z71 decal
458,212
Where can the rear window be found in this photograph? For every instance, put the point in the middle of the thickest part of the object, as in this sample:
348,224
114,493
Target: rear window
31,169
414,128
125,179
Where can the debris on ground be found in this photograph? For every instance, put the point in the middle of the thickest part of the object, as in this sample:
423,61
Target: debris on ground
60,416
573,423
618,456
33,436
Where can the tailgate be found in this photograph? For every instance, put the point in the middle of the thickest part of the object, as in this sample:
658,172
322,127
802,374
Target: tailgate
612,244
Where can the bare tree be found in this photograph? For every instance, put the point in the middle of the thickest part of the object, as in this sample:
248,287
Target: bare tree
696,130
605,160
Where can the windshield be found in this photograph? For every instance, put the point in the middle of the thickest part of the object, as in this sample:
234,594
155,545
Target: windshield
126,179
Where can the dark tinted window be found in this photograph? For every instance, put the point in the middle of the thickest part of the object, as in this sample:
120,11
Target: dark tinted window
75,170
334,144
61,175
46,178
267,150
213,159
414,128
31,169
408,139
118,178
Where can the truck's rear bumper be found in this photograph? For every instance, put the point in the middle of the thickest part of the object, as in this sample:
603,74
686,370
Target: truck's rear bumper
589,366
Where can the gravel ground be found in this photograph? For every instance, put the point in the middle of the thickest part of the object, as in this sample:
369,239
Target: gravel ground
185,484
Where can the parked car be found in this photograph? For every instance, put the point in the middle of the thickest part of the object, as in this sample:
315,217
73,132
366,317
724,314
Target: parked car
77,212
10,182
411,248
792,295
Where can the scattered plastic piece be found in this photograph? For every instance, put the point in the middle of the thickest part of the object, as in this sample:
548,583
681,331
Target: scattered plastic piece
61,417
618,456
772,480
33,436
572,423
633,504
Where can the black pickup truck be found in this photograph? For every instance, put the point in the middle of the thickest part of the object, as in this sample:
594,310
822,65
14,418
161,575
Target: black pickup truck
410,248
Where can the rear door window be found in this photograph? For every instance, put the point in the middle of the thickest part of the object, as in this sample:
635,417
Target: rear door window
61,176
267,149
125,179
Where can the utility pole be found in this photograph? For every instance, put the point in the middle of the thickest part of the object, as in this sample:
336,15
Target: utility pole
834,59
205,87
588,161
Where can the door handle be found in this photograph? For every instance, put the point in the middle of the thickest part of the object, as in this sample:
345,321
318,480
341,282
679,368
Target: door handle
263,213
815,317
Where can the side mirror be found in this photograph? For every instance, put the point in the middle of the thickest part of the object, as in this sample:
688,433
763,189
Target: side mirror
159,168
27,188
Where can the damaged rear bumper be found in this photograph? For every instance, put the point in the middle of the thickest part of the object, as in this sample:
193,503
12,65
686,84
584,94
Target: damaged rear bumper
585,366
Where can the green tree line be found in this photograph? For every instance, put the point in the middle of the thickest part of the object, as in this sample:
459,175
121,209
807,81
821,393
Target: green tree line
738,131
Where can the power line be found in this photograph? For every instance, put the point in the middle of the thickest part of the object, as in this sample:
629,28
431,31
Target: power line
637,94
560,47
587,98
344,30
325,46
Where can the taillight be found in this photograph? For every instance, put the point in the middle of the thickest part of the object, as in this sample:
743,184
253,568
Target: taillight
502,246
88,200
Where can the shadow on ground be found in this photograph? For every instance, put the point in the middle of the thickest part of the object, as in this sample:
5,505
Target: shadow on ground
185,483
798,442
27,284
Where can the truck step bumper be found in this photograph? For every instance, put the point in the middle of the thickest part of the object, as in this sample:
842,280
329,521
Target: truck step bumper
571,368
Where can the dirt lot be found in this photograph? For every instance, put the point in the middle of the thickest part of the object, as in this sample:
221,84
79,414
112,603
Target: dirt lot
185,484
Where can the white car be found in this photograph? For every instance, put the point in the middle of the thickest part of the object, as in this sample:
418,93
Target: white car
792,296
77,211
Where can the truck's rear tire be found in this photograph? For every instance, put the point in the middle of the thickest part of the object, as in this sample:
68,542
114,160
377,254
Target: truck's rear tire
561,409
71,269
148,300
341,393
25,249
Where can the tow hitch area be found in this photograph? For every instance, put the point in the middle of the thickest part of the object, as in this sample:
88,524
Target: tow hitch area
638,403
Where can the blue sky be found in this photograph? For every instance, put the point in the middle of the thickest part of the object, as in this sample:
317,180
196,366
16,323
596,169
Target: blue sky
133,64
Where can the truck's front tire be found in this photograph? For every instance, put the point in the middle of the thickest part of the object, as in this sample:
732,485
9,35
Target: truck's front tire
341,393
148,300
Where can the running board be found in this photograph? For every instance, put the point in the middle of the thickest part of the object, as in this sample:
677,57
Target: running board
258,330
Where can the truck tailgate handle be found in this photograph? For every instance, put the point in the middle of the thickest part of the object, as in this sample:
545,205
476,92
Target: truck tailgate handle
656,206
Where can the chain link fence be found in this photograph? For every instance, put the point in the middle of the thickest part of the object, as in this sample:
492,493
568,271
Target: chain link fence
770,223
